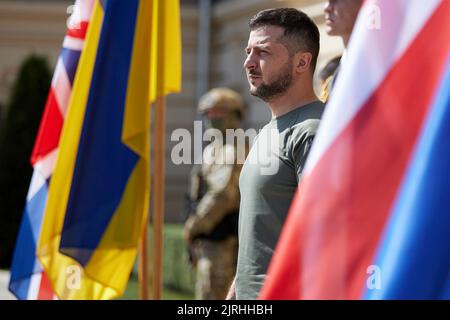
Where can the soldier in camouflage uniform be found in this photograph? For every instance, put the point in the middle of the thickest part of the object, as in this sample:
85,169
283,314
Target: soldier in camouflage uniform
211,227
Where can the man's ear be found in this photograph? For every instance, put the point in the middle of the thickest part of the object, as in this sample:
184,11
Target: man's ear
303,61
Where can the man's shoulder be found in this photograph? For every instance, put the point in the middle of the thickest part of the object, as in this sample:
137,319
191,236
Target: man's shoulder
303,132
310,111
307,126
308,115
307,122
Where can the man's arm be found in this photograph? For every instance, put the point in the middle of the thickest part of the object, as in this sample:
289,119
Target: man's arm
300,145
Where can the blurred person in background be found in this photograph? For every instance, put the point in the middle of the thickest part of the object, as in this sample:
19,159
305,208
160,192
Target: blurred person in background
213,201
340,18
326,75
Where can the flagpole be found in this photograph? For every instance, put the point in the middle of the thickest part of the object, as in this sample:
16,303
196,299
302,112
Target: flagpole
143,268
158,193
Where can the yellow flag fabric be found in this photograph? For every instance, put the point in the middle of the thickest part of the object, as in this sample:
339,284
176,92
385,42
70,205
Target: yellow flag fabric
99,193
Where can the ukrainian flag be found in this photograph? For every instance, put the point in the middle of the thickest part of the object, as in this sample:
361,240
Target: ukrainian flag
99,193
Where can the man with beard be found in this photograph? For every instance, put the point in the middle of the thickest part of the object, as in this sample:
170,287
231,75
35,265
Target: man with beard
282,53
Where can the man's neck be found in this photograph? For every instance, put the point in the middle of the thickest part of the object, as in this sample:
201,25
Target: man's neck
293,98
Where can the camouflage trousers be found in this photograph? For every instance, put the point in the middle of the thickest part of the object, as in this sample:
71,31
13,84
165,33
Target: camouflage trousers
216,267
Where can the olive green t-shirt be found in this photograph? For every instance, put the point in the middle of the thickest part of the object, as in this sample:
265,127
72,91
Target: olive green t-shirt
268,181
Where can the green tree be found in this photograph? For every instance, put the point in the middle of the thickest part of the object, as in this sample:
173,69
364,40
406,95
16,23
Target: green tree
17,134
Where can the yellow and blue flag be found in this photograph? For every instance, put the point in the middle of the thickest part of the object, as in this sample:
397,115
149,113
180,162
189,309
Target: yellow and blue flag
99,192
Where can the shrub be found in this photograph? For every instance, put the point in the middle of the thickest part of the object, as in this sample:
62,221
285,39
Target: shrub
17,134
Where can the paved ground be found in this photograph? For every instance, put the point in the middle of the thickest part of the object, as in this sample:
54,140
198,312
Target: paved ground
4,293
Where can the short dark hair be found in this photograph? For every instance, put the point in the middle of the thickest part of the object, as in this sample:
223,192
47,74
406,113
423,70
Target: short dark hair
298,27
330,68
